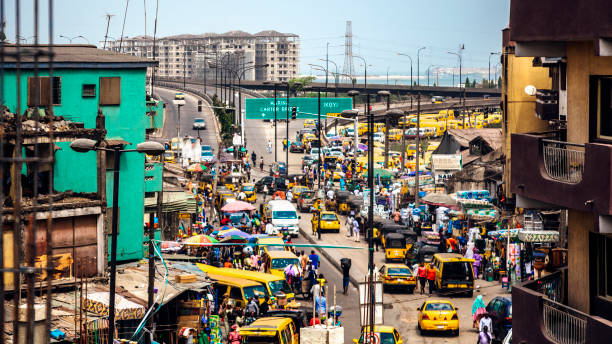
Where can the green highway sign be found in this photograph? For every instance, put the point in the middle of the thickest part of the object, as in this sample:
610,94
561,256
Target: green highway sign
263,108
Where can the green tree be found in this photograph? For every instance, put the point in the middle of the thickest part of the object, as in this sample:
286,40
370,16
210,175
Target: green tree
297,84
467,82
499,80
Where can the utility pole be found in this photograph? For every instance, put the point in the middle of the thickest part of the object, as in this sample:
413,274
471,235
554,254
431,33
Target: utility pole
151,289
418,151
287,150
108,18
371,213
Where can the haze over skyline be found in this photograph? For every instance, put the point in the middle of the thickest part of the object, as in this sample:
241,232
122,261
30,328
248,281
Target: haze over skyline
379,32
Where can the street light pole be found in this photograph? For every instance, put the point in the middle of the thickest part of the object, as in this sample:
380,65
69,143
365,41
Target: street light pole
335,76
86,145
386,94
461,94
489,78
419,65
411,83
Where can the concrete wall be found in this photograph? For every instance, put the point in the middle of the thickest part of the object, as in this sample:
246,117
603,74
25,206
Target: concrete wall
127,121
520,116
581,63
578,284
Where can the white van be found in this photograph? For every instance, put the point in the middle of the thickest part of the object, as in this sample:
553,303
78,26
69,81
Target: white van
284,217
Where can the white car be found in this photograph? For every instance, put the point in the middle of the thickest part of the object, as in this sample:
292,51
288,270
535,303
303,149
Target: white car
199,124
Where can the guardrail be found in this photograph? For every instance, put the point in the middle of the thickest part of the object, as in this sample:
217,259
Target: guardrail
179,86
563,324
563,161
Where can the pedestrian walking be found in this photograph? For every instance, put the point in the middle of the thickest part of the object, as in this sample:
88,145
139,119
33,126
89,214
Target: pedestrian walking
269,147
355,230
314,258
478,309
484,337
431,277
261,164
345,264
422,274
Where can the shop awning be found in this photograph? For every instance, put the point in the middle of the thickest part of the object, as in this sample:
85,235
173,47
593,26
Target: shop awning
538,236
98,303
180,201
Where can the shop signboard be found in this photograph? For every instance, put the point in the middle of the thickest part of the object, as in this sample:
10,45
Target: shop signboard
445,165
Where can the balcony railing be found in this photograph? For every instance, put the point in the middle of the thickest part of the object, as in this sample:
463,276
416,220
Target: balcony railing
550,286
563,324
563,161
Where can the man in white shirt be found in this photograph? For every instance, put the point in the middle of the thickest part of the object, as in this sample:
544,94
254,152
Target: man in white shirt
330,194
269,228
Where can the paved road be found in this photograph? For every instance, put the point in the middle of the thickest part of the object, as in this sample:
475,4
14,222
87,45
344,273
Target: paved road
188,112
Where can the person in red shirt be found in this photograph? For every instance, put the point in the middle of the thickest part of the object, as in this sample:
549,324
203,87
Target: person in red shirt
422,275
431,277
225,221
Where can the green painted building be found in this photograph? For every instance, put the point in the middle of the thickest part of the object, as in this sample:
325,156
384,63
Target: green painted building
86,81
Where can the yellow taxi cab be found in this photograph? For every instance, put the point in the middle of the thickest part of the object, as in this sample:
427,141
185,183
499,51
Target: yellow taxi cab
272,283
270,330
438,315
277,261
297,190
310,123
362,129
249,191
169,157
379,127
395,134
397,276
267,244
306,138
238,289
179,96
382,334
395,246
454,273
411,150
329,222
337,175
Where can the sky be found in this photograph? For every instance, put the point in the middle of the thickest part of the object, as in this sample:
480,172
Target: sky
381,28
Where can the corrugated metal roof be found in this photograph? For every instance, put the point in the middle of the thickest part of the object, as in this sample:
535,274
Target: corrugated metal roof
71,53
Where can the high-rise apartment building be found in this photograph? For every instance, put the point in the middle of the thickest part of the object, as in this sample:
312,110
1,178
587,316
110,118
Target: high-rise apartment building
238,53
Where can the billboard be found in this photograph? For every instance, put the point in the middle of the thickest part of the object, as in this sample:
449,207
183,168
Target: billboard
263,108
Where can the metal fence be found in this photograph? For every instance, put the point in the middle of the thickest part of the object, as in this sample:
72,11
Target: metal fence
564,161
563,324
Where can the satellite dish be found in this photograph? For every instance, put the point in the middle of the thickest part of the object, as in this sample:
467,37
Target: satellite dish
530,90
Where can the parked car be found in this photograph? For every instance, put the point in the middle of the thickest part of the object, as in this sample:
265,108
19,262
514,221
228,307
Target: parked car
280,166
273,184
199,124
309,160
296,147
500,309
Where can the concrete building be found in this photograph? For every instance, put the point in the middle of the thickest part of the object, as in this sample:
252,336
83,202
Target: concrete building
103,91
195,56
565,162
